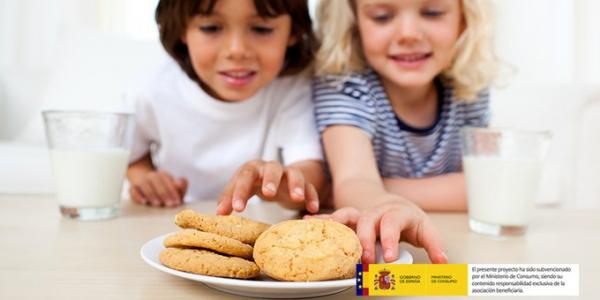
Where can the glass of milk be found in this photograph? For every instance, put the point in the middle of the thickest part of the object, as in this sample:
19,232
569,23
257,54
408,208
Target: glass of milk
89,153
502,168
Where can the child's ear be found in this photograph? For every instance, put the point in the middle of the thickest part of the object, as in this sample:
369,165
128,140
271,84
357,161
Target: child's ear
292,41
463,24
183,37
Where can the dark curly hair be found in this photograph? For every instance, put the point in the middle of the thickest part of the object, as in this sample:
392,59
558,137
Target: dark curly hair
172,17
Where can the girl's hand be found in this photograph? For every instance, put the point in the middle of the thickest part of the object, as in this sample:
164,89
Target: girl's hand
158,188
393,221
270,181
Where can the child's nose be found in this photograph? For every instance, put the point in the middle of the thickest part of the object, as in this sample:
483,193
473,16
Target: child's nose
237,46
408,29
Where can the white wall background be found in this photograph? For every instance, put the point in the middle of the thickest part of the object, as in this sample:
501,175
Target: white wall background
31,30
553,44
555,47
41,39
551,41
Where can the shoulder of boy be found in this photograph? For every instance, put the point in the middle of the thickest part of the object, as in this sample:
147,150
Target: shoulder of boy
160,74
291,85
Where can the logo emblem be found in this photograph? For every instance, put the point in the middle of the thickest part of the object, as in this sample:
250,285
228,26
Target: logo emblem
384,280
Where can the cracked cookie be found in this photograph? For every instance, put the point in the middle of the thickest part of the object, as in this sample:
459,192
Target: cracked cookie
308,250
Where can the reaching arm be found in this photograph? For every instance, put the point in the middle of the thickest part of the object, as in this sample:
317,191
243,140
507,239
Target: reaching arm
365,203
438,193
356,180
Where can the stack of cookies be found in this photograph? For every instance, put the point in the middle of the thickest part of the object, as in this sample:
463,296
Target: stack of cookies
213,245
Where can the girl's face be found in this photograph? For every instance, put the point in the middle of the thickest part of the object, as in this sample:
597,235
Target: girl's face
409,42
234,51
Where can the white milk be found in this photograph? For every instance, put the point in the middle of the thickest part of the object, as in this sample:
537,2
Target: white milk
90,178
501,191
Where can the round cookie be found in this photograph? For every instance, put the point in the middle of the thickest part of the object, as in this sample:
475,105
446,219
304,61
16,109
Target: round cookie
235,227
204,262
308,250
192,238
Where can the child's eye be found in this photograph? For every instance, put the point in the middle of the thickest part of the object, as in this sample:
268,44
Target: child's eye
432,13
210,28
263,30
381,18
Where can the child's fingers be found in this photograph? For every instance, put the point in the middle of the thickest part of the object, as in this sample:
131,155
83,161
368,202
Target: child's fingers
319,216
432,243
224,206
296,182
172,197
272,173
169,185
157,185
366,229
160,185
244,187
348,216
136,195
182,185
148,192
312,198
391,226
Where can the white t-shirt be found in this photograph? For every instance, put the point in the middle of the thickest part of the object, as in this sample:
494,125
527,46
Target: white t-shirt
193,135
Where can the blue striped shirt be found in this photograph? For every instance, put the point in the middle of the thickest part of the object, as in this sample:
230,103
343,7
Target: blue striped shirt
400,150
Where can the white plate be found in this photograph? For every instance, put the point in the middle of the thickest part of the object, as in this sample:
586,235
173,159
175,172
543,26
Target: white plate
262,287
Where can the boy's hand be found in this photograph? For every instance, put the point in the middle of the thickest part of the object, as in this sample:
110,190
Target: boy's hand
158,188
393,221
270,181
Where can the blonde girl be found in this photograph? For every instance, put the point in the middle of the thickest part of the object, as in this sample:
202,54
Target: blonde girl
398,80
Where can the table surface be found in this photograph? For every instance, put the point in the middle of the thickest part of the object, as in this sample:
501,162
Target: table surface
43,255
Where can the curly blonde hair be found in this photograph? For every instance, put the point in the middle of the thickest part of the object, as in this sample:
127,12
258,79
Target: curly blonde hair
474,67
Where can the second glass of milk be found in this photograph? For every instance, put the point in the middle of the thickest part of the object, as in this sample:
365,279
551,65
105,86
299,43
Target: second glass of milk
89,153
502,168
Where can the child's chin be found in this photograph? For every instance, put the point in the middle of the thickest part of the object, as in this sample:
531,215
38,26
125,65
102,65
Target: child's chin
236,96
418,80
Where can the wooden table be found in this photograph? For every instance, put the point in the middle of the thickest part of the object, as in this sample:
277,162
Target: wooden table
43,256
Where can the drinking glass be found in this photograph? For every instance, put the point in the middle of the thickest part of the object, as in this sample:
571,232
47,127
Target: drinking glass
89,153
502,168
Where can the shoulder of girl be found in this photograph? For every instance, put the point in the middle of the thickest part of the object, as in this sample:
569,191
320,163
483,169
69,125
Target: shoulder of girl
482,97
343,83
484,94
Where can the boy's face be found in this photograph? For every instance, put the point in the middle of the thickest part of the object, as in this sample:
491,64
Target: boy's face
409,42
234,51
